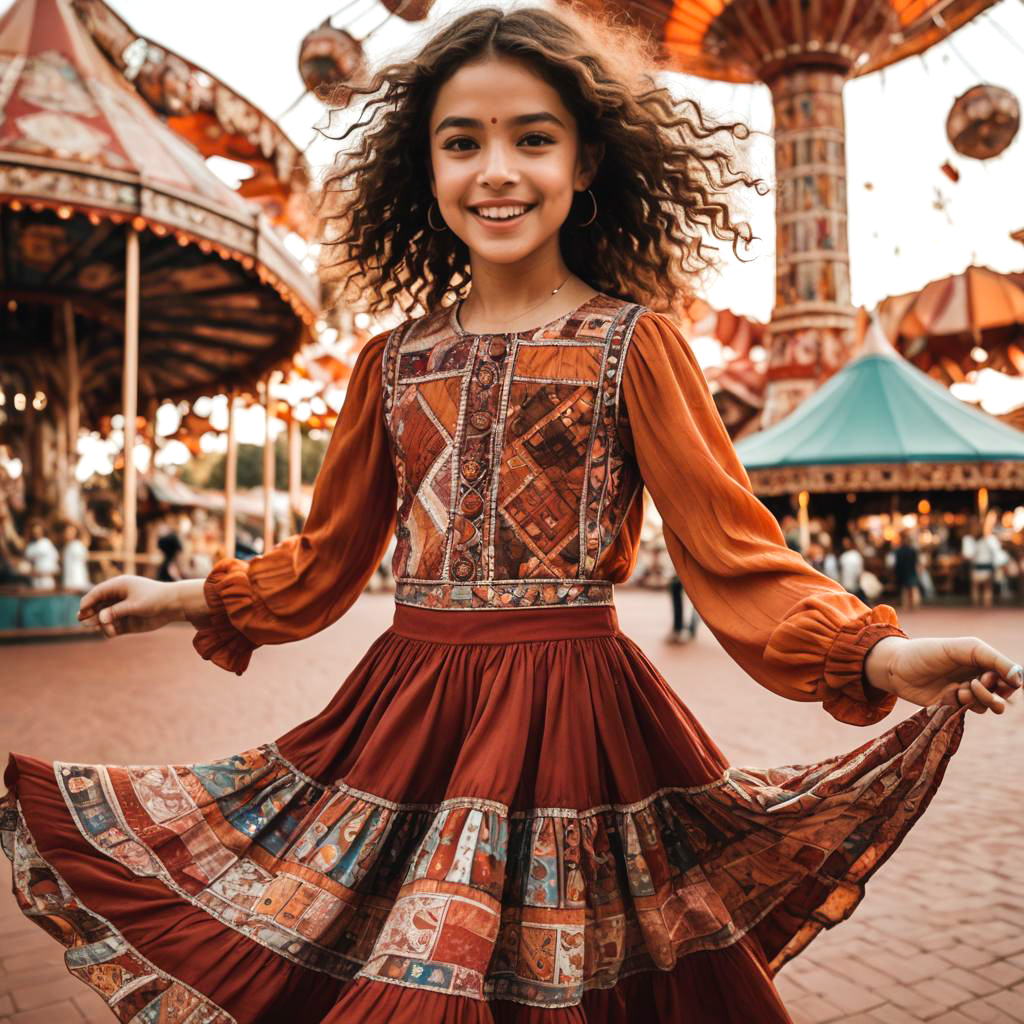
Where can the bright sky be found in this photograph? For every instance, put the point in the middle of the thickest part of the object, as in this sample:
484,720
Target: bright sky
896,141
895,124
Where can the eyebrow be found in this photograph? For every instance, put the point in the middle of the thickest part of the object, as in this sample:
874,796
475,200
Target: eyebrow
541,116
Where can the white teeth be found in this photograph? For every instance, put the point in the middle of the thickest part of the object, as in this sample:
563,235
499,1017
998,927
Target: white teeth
501,212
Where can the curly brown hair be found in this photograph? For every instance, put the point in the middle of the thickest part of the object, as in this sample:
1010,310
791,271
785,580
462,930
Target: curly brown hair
664,181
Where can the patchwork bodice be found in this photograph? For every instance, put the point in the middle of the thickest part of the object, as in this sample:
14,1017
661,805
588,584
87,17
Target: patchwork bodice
513,478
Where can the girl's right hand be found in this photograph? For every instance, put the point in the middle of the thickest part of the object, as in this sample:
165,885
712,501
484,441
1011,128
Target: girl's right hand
130,604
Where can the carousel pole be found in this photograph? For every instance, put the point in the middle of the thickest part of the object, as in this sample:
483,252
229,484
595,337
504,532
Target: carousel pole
130,385
230,478
294,468
268,471
60,424
74,383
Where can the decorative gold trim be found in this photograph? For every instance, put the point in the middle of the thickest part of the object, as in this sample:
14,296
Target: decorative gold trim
899,476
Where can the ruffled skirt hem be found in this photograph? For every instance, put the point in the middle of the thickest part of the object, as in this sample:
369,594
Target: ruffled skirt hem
469,832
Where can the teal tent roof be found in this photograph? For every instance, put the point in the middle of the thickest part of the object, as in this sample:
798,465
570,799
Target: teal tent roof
881,409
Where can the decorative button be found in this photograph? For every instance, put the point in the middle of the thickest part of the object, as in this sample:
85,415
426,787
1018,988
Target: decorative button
497,348
463,569
610,373
592,543
472,503
481,420
612,360
471,469
485,375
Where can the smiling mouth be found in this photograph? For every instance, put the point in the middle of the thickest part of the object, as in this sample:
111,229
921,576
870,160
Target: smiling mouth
502,214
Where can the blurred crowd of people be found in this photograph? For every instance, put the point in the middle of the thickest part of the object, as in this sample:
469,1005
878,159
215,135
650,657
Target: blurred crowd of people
979,558
58,555
976,557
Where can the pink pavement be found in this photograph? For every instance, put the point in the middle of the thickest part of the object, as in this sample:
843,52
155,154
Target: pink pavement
945,915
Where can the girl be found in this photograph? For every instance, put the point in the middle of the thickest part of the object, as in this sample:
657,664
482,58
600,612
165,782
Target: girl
504,814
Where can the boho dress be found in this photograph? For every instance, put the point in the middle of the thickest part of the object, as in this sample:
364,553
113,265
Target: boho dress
504,814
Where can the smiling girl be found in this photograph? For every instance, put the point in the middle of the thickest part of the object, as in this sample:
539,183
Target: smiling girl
505,814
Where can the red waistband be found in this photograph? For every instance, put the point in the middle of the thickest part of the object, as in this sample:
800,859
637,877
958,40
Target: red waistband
504,625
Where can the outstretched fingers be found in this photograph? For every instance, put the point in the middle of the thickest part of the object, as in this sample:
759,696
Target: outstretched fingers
986,658
106,606
987,691
103,594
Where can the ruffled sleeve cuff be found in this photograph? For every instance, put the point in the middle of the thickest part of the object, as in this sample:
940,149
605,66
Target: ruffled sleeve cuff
216,638
850,697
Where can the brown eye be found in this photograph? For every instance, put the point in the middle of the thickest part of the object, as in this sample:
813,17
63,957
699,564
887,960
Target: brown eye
537,139
456,143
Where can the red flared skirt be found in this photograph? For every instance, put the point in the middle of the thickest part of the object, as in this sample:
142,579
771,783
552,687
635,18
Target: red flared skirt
501,816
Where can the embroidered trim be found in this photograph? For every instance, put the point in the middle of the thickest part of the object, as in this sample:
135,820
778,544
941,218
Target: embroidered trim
630,328
508,459
460,895
509,595
97,953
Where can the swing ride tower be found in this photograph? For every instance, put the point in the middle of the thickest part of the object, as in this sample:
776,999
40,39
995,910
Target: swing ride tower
804,51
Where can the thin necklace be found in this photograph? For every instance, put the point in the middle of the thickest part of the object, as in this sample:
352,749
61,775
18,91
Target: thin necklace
519,316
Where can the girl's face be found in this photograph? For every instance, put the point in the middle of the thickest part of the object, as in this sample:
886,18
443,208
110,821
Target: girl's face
505,159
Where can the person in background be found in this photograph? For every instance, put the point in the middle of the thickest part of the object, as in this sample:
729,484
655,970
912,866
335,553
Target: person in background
851,565
829,562
43,555
791,531
74,560
13,565
979,551
169,543
905,569
681,634
1002,562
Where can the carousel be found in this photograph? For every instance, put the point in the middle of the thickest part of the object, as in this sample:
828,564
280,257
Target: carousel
883,439
130,274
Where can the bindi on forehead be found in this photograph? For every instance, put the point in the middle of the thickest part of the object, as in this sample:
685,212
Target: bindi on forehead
494,120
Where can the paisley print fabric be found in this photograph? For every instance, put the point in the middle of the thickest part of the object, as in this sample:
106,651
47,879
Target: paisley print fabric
97,953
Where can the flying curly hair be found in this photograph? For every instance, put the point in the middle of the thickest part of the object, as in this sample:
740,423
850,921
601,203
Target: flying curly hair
663,186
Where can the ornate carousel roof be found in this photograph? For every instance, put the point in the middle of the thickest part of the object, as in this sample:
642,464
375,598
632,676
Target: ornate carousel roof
210,115
881,424
82,156
746,40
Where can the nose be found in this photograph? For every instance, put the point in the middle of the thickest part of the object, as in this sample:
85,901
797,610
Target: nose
497,167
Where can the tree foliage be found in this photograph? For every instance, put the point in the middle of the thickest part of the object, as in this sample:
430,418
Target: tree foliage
209,470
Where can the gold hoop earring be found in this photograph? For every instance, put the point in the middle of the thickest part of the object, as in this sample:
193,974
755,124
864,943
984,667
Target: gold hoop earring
593,216
430,210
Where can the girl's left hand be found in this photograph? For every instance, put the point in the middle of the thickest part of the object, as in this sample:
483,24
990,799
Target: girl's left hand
958,671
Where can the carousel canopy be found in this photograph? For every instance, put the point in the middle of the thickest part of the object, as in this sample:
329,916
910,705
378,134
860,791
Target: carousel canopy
210,115
747,40
941,327
83,156
880,424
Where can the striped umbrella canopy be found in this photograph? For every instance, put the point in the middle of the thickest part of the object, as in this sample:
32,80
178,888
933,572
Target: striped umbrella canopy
960,323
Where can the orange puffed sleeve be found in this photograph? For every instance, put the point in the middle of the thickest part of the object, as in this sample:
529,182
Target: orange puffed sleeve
793,629
308,581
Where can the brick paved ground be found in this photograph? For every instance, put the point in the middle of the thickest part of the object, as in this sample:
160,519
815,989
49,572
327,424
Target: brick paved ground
939,936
